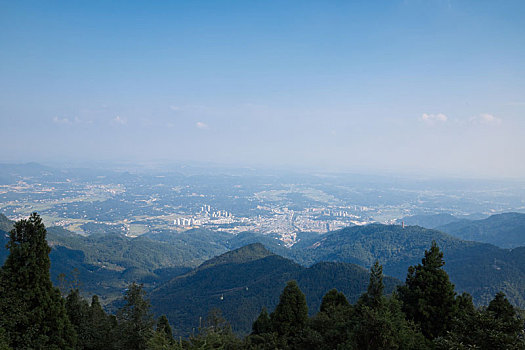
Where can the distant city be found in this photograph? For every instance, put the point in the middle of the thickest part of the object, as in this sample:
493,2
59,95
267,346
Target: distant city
88,201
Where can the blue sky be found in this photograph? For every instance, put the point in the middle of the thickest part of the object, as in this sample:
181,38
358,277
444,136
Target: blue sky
430,87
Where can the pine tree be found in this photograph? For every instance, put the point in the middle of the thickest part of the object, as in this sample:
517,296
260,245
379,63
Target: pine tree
263,323
163,326
4,345
216,333
333,300
379,323
328,329
78,313
162,339
291,314
102,327
135,320
494,328
505,314
428,295
501,308
373,297
32,311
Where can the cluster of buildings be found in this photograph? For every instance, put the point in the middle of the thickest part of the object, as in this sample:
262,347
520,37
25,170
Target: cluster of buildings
282,221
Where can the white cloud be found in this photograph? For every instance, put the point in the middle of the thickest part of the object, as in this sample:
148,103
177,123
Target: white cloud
82,121
175,108
119,120
487,119
58,120
433,119
201,125
74,121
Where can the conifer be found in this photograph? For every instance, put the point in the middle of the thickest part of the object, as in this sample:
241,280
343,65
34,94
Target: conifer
32,311
428,295
291,314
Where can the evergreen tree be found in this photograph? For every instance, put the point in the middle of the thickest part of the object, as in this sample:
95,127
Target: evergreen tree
263,323
379,323
333,300
262,336
162,339
506,316
163,326
384,327
32,311
291,314
78,313
329,328
373,297
159,341
428,295
496,328
502,309
4,345
102,327
135,320
216,334
465,305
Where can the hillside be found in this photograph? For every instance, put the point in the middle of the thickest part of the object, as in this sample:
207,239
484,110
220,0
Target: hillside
5,224
505,230
477,268
105,264
242,281
428,221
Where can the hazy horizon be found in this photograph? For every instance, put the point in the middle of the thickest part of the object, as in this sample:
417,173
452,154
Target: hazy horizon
406,87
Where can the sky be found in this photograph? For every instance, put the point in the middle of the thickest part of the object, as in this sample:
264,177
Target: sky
408,86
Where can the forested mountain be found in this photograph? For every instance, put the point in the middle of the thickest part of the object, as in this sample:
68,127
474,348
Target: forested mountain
6,225
429,221
105,264
242,281
425,313
505,230
477,268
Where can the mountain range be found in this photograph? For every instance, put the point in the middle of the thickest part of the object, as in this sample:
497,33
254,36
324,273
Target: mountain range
505,230
242,281
189,273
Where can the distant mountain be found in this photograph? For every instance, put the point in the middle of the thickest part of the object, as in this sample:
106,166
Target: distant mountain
477,268
505,230
428,221
10,173
271,243
74,265
120,252
244,280
6,225
104,264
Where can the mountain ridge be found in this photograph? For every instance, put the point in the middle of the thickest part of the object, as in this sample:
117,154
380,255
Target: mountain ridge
241,287
506,230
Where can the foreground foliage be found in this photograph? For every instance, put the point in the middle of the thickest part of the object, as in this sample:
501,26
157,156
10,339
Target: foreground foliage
32,312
